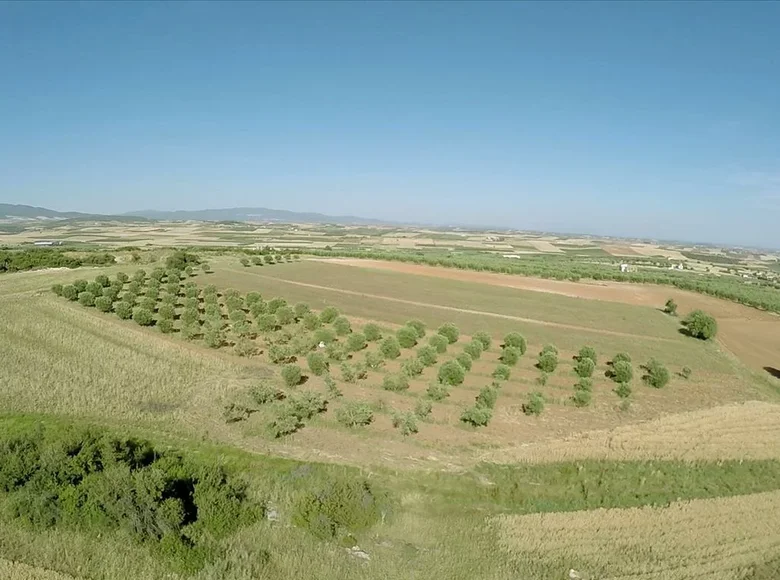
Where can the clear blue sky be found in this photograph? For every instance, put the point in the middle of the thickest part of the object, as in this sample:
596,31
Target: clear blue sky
659,119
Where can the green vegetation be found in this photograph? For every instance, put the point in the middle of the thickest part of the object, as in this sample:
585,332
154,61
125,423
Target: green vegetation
406,423
449,331
622,371
671,307
354,414
407,336
484,339
656,374
292,375
502,372
534,405
37,258
439,343
372,332
510,355
418,326
395,383
477,416
390,348
548,361
700,325
451,373
585,367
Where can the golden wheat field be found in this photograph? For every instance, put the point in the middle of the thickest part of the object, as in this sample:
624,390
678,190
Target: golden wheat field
749,430
711,538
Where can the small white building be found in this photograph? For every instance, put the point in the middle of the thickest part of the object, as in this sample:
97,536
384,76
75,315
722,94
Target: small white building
624,267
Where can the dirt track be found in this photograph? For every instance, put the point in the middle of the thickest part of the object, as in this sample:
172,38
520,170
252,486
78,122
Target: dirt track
751,335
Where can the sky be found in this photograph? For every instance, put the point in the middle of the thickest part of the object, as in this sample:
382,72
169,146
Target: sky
657,119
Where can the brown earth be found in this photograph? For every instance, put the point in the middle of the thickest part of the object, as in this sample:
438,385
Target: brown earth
751,335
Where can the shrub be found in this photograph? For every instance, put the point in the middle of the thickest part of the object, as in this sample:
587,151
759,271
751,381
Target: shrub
265,393
581,398
284,315
407,336
516,340
621,357
278,354
701,325
81,286
147,303
143,316
622,372
483,338
172,288
390,348
318,365
165,325
233,413
439,343
374,360
588,352
329,314
437,392
123,310
354,414
190,315
451,373
166,311
584,384
86,298
487,397
306,404
286,422
213,337
449,331
372,332
291,375
324,335
671,307
656,374
333,390
534,405
103,303
311,321
275,304
548,361
266,323
423,408
419,327
301,309
464,360
501,372
686,372
585,367
70,292
473,349
549,348
338,508
122,277
348,374
623,390
477,416
427,355
395,383
412,367
356,342
336,351
542,379
57,289
342,326
139,275
95,288
406,423
510,355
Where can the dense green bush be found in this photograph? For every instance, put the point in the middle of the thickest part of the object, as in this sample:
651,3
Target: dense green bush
390,348
548,361
516,340
213,337
501,372
656,374
311,321
584,383
449,331
95,288
451,373
339,508
143,316
483,338
103,303
190,315
464,360
354,414
437,392
406,423
407,336
549,348
356,342
165,325
510,355
622,372
395,383
81,285
487,397
123,310
318,364
70,292
700,325
306,404
412,367
372,332
374,360
265,393
621,356
474,349
477,416
534,405
285,315
585,367
329,314
423,408
342,326
581,398
324,335
439,343
588,352
275,304
291,375
348,374
86,298
166,311
427,355
623,390
265,323
418,326
301,309
671,307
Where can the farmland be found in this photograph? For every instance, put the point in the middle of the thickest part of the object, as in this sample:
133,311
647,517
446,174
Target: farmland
299,375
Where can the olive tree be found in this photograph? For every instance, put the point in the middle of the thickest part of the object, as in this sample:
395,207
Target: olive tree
516,340
588,352
70,292
419,327
372,332
318,364
474,349
342,326
104,303
449,331
656,374
427,355
701,325
585,367
671,307
390,348
123,310
329,314
439,343
548,361
395,383
285,315
622,372
451,373
510,355
407,336
291,375
484,339
356,341
86,298
143,316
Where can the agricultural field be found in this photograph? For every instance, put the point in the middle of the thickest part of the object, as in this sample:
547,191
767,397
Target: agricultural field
388,420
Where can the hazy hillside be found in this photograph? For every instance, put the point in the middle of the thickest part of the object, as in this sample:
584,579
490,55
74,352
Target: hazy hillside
252,214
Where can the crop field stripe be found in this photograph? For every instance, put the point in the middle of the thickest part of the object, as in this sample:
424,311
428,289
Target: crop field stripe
454,309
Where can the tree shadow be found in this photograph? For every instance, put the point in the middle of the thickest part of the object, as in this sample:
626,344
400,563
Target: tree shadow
773,371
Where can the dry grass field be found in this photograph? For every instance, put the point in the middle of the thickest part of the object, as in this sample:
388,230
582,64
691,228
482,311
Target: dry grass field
453,515
18,571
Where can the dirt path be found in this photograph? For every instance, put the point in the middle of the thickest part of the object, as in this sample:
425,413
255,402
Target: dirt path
463,310
751,335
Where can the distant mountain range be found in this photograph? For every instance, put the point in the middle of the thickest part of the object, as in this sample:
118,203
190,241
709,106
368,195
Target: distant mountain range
239,214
